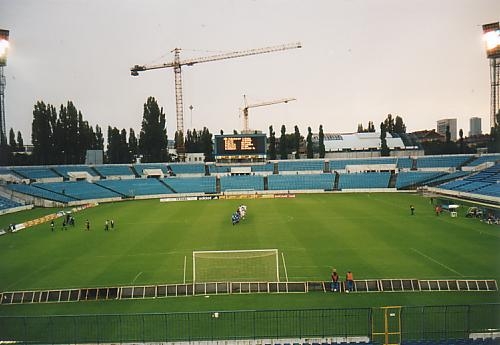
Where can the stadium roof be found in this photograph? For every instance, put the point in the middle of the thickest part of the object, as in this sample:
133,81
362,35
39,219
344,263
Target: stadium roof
361,141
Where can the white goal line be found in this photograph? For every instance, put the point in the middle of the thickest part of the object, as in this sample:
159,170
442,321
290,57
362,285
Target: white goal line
234,251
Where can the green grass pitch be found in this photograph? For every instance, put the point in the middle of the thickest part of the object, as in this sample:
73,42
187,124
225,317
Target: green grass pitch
372,234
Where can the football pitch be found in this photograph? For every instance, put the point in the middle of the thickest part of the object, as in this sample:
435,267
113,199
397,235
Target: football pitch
373,235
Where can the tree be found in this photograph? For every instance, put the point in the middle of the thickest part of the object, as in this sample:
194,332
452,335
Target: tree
153,135
399,126
370,128
296,142
384,149
132,143
321,142
461,141
389,124
43,133
113,151
206,144
20,142
12,140
309,149
272,143
448,134
283,143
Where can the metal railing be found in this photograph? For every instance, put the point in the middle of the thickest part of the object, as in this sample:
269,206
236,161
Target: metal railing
415,323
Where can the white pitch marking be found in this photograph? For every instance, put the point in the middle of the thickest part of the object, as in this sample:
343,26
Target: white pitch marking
137,276
437,262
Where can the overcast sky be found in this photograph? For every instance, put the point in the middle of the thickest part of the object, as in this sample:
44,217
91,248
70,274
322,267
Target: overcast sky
423,60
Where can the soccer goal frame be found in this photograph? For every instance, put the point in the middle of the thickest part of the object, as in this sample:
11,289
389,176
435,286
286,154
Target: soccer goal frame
255,256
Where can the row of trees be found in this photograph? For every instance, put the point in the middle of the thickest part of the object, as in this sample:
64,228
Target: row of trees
62,136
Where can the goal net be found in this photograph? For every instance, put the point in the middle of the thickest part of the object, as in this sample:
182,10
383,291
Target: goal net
236,266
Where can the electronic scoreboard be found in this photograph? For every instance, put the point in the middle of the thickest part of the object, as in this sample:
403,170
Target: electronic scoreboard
249,145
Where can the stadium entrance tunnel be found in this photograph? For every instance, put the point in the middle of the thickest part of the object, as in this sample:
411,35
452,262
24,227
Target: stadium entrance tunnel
175,290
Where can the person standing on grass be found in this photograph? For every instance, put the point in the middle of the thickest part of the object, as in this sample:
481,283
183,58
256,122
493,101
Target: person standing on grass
106,225
334,286
412,210
87,225
349,280
52,225
112,224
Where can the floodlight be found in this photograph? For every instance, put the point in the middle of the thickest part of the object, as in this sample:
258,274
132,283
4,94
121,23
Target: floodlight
4,45
491,34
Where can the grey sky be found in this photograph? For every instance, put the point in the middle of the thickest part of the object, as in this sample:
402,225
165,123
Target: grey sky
361,59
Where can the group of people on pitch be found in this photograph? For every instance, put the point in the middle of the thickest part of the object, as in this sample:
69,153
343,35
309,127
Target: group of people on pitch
240,213
335,284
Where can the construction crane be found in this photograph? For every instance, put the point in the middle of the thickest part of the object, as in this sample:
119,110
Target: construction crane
255,105
176,65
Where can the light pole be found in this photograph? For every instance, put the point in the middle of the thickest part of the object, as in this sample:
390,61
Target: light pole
491,33
4,46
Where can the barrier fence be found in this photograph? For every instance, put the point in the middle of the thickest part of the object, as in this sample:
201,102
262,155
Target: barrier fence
382,325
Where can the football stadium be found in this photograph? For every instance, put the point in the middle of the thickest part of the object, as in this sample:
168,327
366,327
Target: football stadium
366,238
133,253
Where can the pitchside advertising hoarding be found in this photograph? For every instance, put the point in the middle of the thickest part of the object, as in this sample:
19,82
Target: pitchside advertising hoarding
240,145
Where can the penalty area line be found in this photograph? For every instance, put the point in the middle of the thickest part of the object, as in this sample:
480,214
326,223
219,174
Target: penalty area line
137,276
437,262
284,265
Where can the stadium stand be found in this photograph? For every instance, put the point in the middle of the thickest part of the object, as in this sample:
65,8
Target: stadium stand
35,173
114,170
485,158
364,180
186,168
404,163
64,170
340,164
40,193
268,167
204,184
301,165
448,177
301,182
409,179
80,190
139,168
218,169
134,187
485,182
245,182
453,161
7,203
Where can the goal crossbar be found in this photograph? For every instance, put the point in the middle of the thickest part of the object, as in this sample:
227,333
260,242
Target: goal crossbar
226,265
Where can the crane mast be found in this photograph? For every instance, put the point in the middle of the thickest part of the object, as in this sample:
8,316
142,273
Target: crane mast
246,129
176,65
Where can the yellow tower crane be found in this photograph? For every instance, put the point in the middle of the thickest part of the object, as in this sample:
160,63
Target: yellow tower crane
176,65
246,129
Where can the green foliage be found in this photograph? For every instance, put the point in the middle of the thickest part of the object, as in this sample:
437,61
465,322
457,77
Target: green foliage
384,149
309,147
272,143
200,141
321,142
283,144
153,136
296,141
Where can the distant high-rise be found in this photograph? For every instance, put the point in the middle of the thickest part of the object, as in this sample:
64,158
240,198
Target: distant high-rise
451,123
475,126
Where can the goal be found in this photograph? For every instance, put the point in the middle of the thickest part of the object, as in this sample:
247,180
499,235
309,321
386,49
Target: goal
259,265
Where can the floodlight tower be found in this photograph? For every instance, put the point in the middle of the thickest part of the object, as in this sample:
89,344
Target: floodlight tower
4,45
491,34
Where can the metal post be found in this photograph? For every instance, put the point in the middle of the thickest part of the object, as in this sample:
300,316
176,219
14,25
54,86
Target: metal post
3,132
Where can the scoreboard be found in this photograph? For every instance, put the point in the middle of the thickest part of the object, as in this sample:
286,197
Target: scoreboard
240,145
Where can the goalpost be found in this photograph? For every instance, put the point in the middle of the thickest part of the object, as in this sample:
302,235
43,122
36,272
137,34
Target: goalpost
258,265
